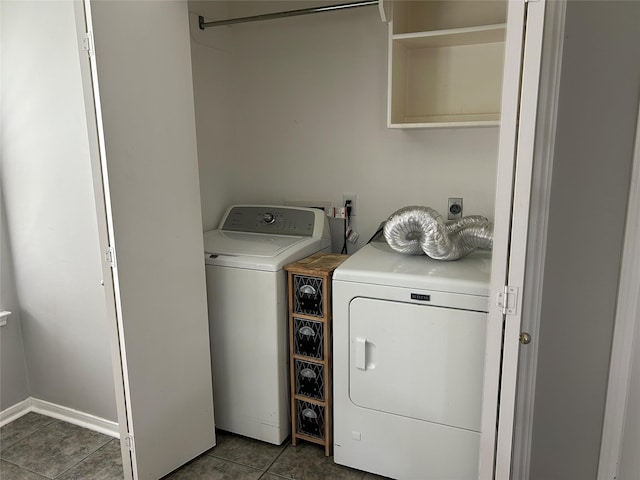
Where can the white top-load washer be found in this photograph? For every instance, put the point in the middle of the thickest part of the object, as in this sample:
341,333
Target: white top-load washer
247,299
409,342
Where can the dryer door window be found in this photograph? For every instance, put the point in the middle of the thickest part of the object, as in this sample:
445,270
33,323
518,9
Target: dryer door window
417,361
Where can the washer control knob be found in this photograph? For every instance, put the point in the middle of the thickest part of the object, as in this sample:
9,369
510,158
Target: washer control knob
269,218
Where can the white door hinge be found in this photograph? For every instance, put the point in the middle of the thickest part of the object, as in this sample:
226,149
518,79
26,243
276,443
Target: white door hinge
110,256
507,300
127,441
87,43
3,317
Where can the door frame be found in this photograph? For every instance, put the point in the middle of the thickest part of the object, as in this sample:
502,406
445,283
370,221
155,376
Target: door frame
518,138
550,72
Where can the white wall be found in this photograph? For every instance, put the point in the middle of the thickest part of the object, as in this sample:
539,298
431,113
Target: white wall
600,86
51,217
295,109
212,84
14,387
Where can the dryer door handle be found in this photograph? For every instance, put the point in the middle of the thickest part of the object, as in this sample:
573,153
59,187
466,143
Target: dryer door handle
361,353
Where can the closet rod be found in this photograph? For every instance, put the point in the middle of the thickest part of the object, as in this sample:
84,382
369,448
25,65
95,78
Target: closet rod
290,13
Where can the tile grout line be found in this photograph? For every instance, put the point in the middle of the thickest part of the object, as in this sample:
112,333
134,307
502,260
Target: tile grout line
83,459
264,471
276,459
262,477
230,461
51,420
24,469
39,429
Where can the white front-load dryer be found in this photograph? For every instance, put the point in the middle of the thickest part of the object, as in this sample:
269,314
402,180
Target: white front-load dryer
247,300
409,341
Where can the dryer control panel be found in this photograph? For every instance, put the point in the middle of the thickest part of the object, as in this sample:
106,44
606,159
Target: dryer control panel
271,219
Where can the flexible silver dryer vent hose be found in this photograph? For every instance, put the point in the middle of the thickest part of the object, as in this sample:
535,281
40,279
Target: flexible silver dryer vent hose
417,230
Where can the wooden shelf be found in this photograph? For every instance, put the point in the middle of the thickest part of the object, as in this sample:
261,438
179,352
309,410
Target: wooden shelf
450,121
448,76
309,286
458,36
430,15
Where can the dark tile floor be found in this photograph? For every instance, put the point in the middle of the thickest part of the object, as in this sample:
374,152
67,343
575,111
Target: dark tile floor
36,447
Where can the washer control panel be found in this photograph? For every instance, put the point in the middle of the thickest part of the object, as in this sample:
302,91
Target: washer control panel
270,219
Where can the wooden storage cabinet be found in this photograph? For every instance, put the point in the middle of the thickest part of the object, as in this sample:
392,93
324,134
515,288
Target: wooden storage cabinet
309,285
445,63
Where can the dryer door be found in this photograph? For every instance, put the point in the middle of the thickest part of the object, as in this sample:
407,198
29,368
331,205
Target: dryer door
417,361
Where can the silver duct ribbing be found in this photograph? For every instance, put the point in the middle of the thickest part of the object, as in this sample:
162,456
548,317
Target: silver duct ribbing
417,230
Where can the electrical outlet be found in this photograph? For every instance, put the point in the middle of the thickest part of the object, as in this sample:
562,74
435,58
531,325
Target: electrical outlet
455,209
352,197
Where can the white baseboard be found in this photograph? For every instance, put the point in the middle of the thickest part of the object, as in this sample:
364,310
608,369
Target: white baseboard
65,414
16,411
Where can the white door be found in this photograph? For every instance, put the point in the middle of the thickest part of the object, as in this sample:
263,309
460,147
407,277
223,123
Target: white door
525,24
621,429
147,195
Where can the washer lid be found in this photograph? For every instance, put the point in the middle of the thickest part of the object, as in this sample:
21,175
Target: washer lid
378,264
221,242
